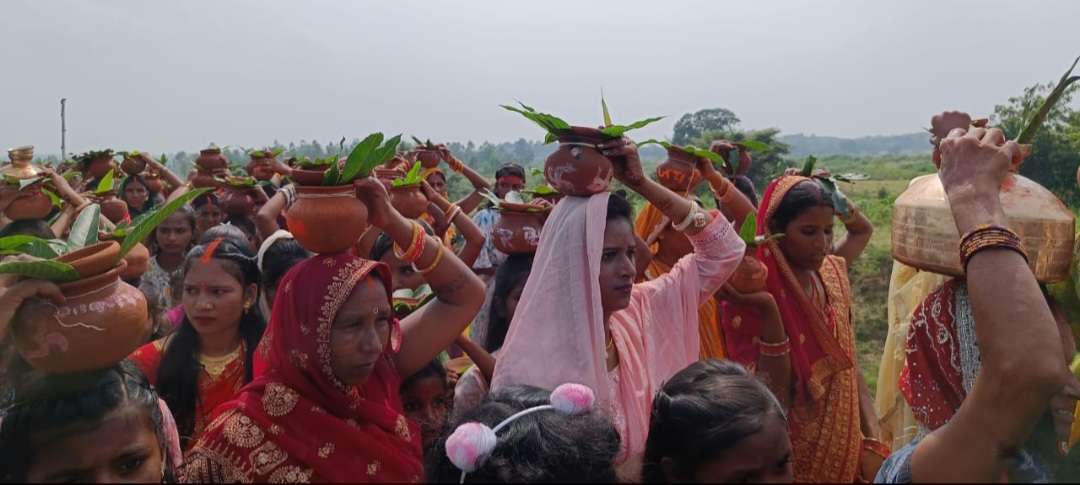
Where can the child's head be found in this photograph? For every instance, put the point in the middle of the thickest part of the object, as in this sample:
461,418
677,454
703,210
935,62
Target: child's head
101,426
713,422
403,273
543,446
509,282
427,398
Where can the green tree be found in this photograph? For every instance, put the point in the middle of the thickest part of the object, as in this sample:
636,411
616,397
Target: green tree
693,125
1056,148
767,164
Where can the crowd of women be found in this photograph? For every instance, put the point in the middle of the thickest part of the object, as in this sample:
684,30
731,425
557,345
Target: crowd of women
619,348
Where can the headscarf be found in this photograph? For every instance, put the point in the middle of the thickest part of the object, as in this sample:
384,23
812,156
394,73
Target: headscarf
296,419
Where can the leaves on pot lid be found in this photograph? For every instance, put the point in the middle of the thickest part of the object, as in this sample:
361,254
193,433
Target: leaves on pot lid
106,184
84,231
34,246
411,178
44,269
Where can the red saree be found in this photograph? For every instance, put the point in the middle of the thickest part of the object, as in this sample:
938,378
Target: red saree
827,441
932,378
296,421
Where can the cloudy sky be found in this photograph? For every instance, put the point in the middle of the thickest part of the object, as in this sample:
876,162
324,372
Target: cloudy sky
178,75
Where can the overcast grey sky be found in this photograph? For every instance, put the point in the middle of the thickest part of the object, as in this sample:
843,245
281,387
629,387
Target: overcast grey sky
178,75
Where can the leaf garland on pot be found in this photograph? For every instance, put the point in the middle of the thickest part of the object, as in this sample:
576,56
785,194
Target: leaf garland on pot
555,126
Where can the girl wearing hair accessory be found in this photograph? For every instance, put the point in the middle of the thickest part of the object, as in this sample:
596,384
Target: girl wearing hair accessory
325,405
209,357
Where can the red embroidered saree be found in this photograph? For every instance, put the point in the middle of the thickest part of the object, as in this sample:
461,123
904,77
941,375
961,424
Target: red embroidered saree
296,421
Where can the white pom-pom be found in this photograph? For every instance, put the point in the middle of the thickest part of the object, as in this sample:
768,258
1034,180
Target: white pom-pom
572,398
469,445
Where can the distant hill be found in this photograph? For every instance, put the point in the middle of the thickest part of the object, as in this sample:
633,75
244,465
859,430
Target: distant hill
803,145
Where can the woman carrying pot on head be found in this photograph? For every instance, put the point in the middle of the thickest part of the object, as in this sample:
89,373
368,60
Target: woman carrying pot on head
436,178
668,246
582,319
833,425
209,357
325,404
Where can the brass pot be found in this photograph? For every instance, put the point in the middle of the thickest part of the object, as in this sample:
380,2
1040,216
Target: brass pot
20,166
924,234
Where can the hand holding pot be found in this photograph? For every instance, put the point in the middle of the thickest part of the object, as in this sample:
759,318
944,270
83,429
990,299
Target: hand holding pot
973,165
760,299
373,193
624,157
63,188
13,294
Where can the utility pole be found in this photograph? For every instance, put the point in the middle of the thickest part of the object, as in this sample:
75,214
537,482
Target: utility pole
63,131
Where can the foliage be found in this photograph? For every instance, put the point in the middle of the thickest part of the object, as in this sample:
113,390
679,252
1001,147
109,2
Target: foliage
768,160
146,225
555,126
693,125
1037,120
713,157
365,156
84,231
412,178
106,184
425,145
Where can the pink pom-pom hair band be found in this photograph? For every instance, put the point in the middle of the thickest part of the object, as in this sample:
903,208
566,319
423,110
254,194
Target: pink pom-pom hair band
471,443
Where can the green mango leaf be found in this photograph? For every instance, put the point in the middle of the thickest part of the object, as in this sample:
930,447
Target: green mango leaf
615,131
607,115
748,231
279,150
381,156
417,141
550,138
360,155
24,183
106,183
494,199
332,176
552,124
754,145
139,232
23,244
808,167
55,199
1033,125
542,190
45,269
411,178
84,231
71,175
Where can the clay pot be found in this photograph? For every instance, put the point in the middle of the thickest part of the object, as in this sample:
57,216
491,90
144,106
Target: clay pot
98,167
237,202
93,260
137,262
31,203
749,276
132,165
577,167
113,208
309,176
100,323
327,219
211,159
679,172
154,184
410,201
428,158
518,229
201,180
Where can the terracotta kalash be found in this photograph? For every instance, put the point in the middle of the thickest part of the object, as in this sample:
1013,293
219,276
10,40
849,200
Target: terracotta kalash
407,195
924,234
210,164
31,203
327,216
520,223
577,167
427,153
261,164
102,318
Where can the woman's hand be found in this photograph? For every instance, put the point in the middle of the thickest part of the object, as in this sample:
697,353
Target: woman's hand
13,294
973,165
761,299
449,158
626,161
373,193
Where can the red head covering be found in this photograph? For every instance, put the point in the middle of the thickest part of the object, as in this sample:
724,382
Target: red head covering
296,419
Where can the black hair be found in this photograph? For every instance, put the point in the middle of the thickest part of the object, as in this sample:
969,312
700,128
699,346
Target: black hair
206,198
149,204
244,223
804,195
278,259
189,217
510,169
704,409
512,272
227,232
70,403
383,242
619,208
432,369
178,373
746,186
541,447
29,227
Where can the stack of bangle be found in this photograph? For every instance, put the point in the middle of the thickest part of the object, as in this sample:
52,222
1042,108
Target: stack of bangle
774,349
416,246
989,236
453,212
434,263
455,164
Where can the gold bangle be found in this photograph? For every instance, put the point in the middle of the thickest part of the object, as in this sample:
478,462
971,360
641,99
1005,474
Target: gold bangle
435,263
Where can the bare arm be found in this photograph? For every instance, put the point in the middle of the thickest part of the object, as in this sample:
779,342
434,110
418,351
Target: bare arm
1013,325
470,202
774,369
484,361
859,231
266,219
170,178
458,292
738,206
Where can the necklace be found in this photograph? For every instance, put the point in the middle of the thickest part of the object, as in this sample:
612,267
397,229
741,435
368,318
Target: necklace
215,366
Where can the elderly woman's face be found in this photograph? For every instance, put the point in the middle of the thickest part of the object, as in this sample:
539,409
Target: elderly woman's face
360,332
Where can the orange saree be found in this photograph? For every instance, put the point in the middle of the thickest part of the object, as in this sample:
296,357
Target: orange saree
827,440
711,336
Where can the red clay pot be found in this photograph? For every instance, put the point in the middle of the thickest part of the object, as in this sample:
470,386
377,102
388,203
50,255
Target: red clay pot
211,159
410,201
518,229
577,167
679,172
113,208
94,259
100,323
428,158
137,262
31,203
237,202
309,176
100,166
133,166
327,219
154,183
749,276
259,167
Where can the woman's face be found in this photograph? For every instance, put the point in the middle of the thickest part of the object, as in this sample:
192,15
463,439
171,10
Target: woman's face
427,401
403,274
808,238
174,235
617,267
214,299
360,332
121,448
505,185
206,216
135,194
764,457
438,182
